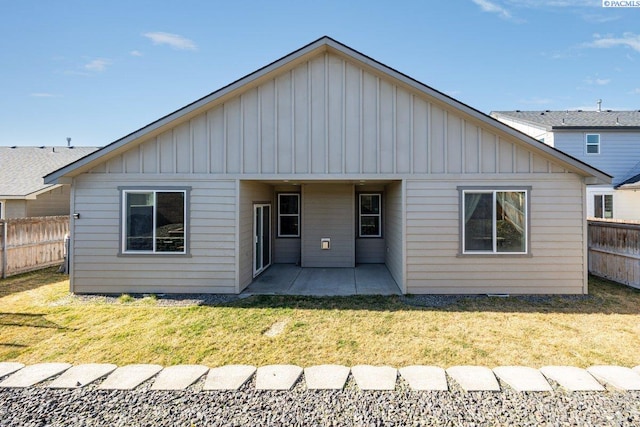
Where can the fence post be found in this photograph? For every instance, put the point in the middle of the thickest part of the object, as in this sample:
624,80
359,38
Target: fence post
4,249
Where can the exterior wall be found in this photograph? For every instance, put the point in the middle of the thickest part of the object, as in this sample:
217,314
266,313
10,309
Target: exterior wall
15,209
251,193
210,267
394,222
619,151
626,203
370,250
536,132
328,212
51,203
286,250
557,260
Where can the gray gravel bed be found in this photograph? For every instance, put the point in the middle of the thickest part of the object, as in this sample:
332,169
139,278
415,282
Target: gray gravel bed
38,406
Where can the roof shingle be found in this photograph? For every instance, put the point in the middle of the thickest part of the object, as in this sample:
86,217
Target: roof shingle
575,119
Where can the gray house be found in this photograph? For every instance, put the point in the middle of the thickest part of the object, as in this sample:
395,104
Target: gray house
23,192
606,139
328,158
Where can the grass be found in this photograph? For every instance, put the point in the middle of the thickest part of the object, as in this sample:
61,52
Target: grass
41,322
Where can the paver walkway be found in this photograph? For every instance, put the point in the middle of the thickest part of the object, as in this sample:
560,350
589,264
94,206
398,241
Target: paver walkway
321,377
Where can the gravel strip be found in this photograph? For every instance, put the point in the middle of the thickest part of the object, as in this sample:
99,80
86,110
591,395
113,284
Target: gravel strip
38,406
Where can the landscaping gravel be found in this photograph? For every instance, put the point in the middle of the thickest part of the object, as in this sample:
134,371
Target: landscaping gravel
38,406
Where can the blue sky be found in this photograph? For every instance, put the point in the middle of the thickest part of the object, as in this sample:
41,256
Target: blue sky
96,71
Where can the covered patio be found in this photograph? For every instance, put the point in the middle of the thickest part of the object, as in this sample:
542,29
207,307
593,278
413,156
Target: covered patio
290,279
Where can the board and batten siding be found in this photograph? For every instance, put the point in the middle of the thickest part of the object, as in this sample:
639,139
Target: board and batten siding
328,212
557,229
97,268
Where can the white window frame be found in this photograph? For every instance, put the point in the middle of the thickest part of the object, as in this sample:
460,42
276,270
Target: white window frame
603,197
591,144
494,236
361,215
280,214
2,207
154,191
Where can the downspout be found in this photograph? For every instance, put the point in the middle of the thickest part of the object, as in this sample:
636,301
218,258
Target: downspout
4,249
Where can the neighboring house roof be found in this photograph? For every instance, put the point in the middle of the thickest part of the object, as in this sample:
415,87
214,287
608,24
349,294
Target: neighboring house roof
324,44
22,168
572,120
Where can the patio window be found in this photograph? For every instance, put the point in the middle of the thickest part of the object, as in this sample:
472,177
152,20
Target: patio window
369,214
289,215
593,144
494,222
154,221
603,205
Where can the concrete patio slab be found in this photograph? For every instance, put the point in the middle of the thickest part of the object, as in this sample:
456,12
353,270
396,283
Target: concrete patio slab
326,377
129,377
375,279
474,378
571,378
34,374
7,368
618,377
522,378
370,377
276,280
81,375
324,282
178,377
425,378
277,377
229,377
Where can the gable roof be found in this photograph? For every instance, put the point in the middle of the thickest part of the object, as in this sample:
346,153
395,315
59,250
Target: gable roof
323,44
22,168
573,120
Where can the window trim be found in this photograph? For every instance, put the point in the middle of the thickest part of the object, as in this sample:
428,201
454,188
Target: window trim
462,190
360,215
289,236
588,144
2,208
602,197
155,189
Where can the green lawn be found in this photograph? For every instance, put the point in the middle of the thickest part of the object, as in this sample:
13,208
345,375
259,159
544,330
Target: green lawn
40,322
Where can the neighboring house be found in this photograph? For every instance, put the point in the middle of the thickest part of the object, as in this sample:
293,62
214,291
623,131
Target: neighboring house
608,140
328,158
23,192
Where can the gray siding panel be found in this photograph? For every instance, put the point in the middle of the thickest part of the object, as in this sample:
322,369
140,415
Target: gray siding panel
370,251
328,211
286,251
393,227
54,202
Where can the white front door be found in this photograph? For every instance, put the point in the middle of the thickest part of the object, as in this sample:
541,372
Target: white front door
262,238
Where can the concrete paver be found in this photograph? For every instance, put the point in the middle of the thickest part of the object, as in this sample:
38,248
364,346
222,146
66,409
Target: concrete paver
277,377
370,377
34,374
474,378
129,377
421,378
326,377
7,368
522,378
229,377
572,378
616,376
81,375
178,377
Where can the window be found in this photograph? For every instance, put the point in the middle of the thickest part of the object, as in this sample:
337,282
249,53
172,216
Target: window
603,205
289,215
369,215
494,221
593,144
2,209
154,221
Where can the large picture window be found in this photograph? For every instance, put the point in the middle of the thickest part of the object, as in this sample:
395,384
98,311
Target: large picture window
369,214
289,215
154,221
494,221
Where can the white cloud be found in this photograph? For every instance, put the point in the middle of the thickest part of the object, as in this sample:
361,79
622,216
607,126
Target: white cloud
597,81
42,95
608,41
636,91
99,65
490,7
174,40
135,53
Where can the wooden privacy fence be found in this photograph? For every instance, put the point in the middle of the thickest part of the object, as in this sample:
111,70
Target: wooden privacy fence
28,244
614,250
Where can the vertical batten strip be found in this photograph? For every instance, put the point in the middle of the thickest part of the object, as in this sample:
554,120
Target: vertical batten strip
276,146
309,117
293,121
445,137
241,142
157,154
141,159
259,154
361,127
463,146
377,124
344,118
174,143
429,137
412,141
209,140
479,149
326,113
192,137
225,137
497,154
394,129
